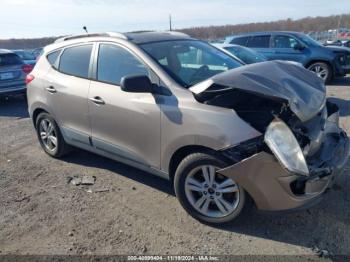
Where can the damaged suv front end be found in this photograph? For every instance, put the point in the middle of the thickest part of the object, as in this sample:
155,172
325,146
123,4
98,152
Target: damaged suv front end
301,148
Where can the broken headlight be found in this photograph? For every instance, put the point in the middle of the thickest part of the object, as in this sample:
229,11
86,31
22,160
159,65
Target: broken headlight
284,145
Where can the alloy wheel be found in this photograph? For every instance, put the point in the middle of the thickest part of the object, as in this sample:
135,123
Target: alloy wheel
320,70
210,193
48,134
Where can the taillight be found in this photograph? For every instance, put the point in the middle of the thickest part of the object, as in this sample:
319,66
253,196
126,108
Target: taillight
29,78
27,68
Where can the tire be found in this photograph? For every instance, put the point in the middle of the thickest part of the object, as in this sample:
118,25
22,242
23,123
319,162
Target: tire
191,167
322,70
60,148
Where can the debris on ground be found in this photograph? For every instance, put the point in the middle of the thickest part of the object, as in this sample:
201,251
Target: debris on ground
101,190
26,198
88,180
75,180
321,252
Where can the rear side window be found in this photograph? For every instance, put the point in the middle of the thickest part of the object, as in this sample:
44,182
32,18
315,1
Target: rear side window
240,41
10,60
115,62
52,57
76,61
259,41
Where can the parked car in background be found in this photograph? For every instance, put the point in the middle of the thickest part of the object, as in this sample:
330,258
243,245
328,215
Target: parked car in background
27,56
333,42
37,52
326,61
180,108
13,72
245,54
345,43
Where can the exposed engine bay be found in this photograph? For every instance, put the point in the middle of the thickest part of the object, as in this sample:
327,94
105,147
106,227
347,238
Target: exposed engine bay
289,95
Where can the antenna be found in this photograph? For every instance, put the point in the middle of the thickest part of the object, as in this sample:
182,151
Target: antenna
170,27
85,29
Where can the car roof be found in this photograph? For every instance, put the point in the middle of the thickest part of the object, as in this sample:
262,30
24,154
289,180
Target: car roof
223,45
134,38
266,33
5,51
148,37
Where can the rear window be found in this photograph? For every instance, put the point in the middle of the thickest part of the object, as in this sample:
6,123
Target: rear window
259,41
240,41
76,60
10,59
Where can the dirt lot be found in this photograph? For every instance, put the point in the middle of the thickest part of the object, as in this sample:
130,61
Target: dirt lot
41,214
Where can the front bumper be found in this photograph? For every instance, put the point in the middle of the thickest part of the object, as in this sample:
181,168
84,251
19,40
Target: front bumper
342,68
273,188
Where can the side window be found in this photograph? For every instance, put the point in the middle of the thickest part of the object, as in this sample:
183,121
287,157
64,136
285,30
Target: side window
76,60
115,62
52,57
240,41
259,41
284,41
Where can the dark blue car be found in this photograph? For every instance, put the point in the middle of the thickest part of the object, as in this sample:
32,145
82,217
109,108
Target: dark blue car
326,61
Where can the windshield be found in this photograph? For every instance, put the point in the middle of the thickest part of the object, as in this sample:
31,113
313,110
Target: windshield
247,55
25,55
308,40
189,61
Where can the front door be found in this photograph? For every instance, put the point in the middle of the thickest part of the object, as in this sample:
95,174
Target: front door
124,125
283,45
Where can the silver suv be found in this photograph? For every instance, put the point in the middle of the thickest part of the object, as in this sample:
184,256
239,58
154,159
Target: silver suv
182,109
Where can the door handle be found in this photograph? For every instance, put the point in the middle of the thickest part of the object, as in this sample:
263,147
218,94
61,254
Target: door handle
51,89
97,100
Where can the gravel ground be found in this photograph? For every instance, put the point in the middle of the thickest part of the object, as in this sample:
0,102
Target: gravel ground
132,212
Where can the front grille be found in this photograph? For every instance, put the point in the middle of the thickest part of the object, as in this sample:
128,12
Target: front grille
344,59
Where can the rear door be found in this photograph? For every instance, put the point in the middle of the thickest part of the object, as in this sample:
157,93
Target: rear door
67,86
283,45
261,44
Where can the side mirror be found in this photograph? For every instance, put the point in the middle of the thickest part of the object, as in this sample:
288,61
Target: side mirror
136,84
298,46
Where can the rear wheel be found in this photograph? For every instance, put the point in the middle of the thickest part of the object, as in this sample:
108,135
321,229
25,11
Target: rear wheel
205,194
50,137
322,70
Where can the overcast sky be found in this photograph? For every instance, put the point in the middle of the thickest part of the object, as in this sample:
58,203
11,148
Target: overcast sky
37,18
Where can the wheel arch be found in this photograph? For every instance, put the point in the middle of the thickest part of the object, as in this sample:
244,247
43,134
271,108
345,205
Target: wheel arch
36,112
184,151
329,63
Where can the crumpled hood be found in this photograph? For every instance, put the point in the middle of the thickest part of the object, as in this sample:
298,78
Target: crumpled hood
303,90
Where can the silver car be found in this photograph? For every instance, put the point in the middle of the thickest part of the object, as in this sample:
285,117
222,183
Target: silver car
13,73
181,109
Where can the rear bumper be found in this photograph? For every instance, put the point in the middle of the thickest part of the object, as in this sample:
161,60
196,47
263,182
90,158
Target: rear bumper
273,188
17,89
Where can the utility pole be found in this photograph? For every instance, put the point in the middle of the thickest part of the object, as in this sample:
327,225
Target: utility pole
339,23
170,27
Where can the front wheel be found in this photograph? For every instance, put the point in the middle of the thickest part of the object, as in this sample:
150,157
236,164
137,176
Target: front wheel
322,70
205,194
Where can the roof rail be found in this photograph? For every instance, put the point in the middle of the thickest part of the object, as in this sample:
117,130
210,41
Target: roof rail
107,34
176,33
